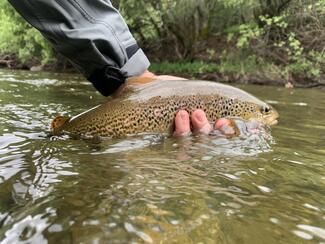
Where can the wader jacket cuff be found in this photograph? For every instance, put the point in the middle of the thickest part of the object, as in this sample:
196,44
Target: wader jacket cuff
91,34
108,79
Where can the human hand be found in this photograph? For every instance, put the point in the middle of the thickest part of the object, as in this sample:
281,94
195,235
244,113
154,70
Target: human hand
146,77
199,124
148,74
198,119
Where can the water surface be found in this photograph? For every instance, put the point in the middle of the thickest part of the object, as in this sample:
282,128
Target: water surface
153,189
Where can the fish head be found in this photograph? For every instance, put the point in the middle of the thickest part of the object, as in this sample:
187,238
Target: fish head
241,104
269,115
261,112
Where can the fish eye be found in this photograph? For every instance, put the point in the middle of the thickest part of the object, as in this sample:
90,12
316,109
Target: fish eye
265,109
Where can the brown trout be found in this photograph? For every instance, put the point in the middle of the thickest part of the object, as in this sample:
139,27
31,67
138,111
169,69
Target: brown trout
152,107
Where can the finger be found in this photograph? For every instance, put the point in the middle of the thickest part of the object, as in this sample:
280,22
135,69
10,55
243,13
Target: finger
200,122
226,126
221,122
182,123
147,73
170,77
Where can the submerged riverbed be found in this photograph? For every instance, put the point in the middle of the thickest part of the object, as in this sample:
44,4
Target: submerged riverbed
154,189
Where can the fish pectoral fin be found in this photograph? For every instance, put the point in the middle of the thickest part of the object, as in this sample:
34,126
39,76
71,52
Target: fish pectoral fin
58,122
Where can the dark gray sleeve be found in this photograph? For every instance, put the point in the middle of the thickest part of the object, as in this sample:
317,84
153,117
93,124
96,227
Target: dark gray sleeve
92,34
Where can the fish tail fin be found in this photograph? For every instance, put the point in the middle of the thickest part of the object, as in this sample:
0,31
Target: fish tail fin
58,122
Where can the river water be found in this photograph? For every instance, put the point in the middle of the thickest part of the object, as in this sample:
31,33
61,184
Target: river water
149,188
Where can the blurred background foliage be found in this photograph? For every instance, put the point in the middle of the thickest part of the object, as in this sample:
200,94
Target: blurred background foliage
279,40
18,39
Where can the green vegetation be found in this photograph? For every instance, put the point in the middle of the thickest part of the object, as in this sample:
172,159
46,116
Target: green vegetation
277,41
195,67
21,41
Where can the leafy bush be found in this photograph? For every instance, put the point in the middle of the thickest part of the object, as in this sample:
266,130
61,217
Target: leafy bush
184,67
20,39
287,33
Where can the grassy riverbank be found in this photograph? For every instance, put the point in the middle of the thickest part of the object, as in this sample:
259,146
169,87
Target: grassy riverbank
249,72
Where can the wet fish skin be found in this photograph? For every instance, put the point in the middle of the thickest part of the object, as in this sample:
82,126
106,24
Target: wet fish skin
152,107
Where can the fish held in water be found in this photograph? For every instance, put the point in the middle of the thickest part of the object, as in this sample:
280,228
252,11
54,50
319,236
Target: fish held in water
151,107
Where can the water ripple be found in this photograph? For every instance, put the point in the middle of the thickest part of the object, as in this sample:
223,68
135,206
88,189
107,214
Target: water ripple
251,189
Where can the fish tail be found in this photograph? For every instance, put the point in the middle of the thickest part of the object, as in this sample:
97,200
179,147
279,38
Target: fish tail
58,122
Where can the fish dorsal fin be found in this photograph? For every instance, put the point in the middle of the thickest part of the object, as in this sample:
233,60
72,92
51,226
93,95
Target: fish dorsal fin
58,122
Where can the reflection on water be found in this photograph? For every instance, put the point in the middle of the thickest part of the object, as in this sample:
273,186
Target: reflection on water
149,188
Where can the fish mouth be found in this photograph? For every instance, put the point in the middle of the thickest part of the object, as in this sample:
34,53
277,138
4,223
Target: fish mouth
274,122
272,119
